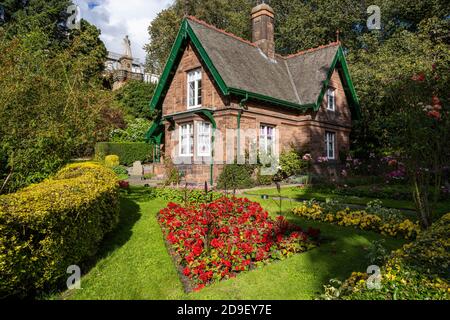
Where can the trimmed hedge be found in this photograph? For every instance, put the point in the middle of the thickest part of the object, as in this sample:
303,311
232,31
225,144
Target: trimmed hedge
47,227
236,176
128,152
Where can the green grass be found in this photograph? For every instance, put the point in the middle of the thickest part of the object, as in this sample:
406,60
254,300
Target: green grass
309,193
134,264
122,176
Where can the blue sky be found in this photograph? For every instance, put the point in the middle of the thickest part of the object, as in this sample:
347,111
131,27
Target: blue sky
118,18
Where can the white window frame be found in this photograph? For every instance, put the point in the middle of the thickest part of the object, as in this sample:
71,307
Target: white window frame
264,139
331,99
187,138
195,77
330,145
204,133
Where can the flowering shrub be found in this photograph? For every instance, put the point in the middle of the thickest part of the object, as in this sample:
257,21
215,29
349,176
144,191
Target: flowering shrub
419,270
215,241
391,225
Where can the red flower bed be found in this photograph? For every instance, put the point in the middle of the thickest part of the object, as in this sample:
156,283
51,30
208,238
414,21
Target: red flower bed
217,240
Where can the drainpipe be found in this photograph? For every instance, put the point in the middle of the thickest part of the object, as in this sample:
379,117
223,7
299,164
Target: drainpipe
242,107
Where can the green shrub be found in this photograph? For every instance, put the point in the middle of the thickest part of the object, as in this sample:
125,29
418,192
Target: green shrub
292,164
180,195
236,176
128,152
120,170
263,180
135,131
112,161
173,175
47,227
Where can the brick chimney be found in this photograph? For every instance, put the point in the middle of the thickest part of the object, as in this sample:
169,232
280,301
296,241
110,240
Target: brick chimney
263,29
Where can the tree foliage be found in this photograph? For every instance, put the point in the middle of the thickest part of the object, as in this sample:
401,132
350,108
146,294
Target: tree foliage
52,106
134,98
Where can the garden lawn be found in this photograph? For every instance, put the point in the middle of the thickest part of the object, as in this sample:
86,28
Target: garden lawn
134,263
299,194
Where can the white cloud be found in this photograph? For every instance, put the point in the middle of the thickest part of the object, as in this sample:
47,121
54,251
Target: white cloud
118,18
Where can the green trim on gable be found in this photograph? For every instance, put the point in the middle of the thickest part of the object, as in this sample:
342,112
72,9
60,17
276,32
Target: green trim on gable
348,86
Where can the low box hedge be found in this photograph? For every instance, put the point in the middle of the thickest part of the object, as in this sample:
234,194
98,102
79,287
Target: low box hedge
47,227
128,152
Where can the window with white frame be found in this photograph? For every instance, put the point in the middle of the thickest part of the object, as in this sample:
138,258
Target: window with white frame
331,99
194,87
186,140
203,139
330,143
267,139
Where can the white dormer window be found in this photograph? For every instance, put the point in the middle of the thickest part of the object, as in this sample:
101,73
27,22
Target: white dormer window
331,99
194,88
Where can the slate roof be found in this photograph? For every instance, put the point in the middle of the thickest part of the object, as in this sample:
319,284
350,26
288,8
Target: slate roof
296,78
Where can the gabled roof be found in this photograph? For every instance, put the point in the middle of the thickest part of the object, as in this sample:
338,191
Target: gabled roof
239,67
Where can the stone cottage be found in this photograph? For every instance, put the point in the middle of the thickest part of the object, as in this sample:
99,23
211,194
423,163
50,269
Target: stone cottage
221,96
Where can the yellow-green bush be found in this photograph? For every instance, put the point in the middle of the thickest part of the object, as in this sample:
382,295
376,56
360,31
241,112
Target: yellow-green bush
112,161
47,227
361,219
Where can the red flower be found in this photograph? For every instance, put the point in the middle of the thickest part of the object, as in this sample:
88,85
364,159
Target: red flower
206,276
434,114
172,239
190,258
418,77
186,271
216,243
226,263
199,287
436,101
197,250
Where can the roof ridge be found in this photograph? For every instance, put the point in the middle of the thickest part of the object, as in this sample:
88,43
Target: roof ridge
195,19
331,44
210,26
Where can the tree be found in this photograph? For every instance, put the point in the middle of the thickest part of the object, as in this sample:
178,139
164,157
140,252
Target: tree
22,16
50,110
134,98
232,16
396,119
